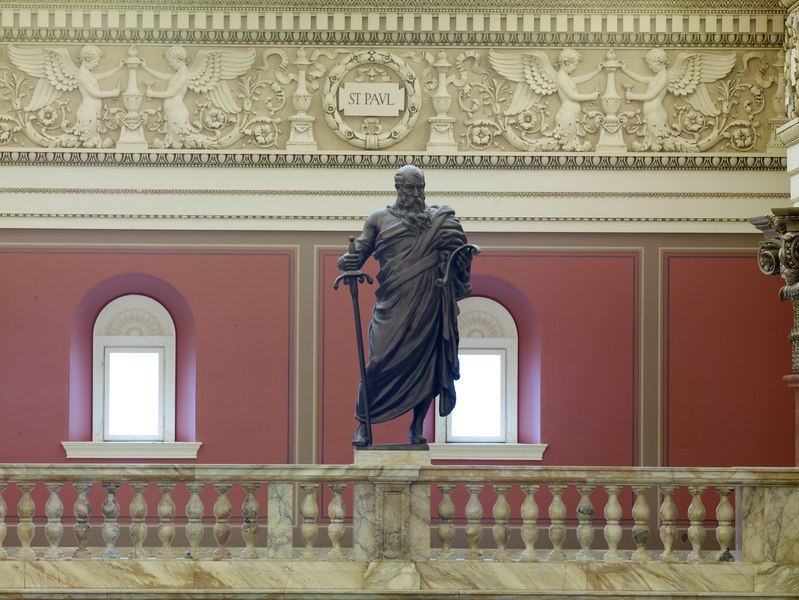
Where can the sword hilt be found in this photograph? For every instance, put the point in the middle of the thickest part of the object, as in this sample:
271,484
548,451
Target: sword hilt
347,276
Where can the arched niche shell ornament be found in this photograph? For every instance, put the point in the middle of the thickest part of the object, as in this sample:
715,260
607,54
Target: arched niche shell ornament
372,141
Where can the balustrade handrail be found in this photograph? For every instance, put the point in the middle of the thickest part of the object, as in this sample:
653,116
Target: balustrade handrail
147,472
681,476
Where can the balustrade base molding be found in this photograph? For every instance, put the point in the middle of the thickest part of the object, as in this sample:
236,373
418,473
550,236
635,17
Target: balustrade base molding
178,578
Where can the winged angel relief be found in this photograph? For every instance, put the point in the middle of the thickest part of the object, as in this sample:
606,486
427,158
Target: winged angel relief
209,75
209,101
686,80
56,73
539,106
537,79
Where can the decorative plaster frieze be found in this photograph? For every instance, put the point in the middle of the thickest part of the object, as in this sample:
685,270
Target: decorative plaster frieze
500,101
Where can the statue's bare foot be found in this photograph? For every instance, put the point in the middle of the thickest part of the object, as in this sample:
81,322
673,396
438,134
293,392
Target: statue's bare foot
360,435
415,435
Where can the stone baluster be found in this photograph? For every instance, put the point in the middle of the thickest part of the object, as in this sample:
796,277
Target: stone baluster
26,528
474,529
529,523
668,529
3,526
110,528
641,514
138,512
725,531
221,529
585,517
54,530
612,527
501,528
446,512
557,528
166,516
82,528
335,530
249,529
194,512
309,511
696,514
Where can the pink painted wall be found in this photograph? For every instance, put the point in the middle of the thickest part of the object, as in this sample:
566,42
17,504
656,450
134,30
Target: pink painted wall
241,324
723,345
725,353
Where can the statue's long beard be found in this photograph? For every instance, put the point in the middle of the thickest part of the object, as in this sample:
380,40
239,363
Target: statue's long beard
412,212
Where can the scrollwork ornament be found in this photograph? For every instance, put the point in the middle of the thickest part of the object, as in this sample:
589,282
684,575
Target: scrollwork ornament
372,134
791,68
768,257
789,258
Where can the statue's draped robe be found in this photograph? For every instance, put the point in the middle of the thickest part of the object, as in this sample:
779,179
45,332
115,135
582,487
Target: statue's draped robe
413,336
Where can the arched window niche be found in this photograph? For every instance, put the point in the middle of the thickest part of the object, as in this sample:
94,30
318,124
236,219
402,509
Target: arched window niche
485,424
122,328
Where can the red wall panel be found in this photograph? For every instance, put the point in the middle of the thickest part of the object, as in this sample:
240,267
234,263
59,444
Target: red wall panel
242,303
724,401
577,314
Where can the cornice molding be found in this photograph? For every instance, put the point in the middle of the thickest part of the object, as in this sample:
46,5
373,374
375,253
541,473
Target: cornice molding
577,161
390,195
350,218
393,38
682,6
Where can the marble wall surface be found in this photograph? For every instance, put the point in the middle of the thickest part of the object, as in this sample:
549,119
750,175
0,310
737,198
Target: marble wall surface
378,579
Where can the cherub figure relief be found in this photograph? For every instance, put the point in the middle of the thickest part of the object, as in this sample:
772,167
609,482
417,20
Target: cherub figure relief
56,74
537,78
687,80
207,76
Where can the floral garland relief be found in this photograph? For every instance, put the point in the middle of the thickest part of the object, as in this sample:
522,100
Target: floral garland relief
298,99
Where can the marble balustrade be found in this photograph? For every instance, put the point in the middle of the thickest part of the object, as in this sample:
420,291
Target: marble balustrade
399,512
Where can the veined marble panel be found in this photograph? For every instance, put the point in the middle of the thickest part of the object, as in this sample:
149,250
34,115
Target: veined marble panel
478,575
777,579
429,579
116,574
12,574
244,574
711,577
770,524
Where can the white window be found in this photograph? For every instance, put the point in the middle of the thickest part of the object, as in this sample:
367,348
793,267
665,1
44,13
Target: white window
134,372
133,384
484,424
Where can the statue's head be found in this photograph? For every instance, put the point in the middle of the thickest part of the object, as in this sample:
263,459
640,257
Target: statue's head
409,183
176,54
657,57
568,57
408,173
410,206
89,54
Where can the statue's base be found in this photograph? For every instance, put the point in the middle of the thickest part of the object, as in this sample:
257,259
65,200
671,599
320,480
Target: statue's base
424,446
391,519
393,454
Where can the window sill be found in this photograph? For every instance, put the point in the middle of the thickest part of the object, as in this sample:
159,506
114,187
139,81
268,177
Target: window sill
131,450
467,451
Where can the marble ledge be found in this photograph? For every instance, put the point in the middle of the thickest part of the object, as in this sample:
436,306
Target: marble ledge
454,578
